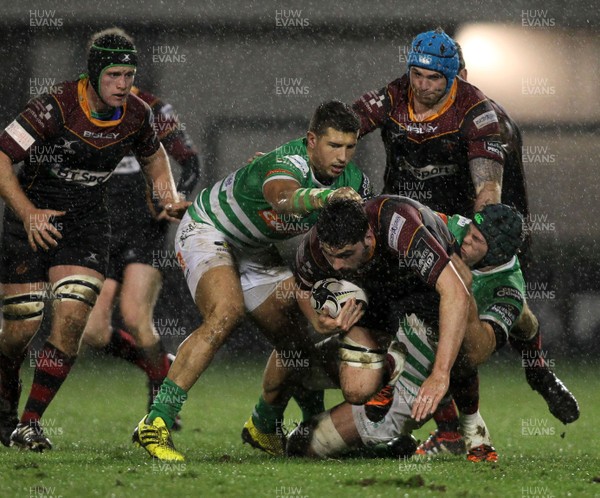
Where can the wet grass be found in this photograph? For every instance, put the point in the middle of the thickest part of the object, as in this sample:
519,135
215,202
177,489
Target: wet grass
91,420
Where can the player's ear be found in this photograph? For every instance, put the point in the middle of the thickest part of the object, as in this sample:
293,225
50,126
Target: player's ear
311,139
369,237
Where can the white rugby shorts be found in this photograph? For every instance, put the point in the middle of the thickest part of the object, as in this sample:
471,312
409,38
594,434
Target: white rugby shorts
201,247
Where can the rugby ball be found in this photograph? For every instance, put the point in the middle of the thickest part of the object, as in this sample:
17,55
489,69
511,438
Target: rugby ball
332,293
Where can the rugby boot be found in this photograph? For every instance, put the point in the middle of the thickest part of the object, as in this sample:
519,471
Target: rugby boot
440,442
155,438
482,453
403,446
379,405
31,437
271,443
561,403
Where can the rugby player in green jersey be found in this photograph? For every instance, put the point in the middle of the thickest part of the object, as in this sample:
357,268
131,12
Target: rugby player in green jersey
225,245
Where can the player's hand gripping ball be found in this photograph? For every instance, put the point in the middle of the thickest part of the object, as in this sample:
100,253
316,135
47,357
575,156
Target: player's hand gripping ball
332,293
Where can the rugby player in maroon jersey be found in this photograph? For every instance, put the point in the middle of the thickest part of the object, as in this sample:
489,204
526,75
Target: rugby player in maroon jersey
56,227
138,250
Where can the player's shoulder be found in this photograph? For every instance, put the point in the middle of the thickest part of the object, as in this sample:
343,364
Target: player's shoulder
148,97
397,89
468,95
291,154
507,275
64,94
399,84
137,106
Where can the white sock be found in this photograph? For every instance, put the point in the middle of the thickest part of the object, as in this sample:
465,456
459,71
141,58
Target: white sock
474,430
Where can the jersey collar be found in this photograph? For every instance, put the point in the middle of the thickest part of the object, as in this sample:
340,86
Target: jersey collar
449,101
85,106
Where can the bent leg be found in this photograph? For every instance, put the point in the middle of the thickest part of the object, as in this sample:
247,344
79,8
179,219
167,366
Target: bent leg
362,367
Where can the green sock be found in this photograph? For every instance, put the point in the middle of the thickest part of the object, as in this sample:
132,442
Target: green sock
267,418
168,403
310,402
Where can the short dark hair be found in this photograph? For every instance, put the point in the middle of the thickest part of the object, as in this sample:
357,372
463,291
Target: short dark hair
334,114
109,32
342,222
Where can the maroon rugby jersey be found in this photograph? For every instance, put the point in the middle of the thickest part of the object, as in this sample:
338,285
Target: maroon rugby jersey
514,187
429,160
413,246
68,155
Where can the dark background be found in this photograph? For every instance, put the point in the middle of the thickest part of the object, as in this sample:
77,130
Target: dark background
242,78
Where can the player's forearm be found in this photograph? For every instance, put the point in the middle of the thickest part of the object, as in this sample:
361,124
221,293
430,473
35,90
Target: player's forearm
11,191
305,200
487,180
454,310
158,171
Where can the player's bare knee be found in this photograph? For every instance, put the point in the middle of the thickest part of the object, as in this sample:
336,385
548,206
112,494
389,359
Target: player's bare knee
356,396
360,361
219,324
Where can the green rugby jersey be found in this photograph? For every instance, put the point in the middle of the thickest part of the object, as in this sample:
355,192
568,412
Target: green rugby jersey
500,292
236,205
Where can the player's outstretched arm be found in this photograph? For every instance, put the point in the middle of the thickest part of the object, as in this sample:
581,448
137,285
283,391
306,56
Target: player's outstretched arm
287,196
454,308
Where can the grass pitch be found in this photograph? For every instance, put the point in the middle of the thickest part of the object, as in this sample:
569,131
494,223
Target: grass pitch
91,420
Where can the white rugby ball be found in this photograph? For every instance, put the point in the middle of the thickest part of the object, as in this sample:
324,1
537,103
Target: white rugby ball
332,293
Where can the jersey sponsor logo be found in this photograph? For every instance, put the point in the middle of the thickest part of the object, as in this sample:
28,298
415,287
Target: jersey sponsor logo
366,190
423,257
485,119
421,128
300,163
512,292
396,225
93,134
20,135
82,176
431,170
508,313
494,148
228,182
